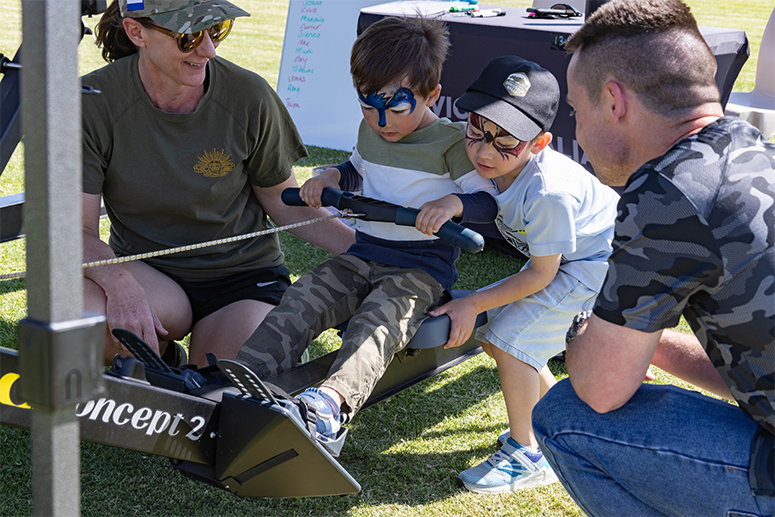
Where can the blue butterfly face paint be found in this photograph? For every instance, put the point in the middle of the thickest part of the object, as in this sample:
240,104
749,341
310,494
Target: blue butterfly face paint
403,100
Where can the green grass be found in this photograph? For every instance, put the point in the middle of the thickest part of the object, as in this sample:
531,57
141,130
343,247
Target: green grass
406,451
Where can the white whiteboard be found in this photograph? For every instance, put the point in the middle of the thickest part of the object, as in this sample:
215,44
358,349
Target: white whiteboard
314,81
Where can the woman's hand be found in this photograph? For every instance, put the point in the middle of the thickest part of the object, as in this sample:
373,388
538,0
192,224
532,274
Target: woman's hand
127,308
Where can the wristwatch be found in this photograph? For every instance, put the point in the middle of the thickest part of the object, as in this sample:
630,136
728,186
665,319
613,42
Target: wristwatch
579,320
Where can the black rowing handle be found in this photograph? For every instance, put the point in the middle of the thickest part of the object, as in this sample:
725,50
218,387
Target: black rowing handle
375,210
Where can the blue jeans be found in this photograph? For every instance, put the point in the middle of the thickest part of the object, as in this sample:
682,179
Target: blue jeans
668,451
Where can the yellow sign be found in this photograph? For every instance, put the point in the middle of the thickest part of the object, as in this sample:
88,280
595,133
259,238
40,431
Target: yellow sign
6,383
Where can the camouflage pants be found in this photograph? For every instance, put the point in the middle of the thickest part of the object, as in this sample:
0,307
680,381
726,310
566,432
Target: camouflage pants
385,306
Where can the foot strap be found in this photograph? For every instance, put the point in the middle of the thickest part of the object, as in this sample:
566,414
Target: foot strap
246,381
141,350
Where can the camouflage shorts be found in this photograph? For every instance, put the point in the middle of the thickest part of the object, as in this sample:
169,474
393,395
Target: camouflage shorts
385,306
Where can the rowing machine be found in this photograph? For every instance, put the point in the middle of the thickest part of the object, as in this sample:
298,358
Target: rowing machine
222,425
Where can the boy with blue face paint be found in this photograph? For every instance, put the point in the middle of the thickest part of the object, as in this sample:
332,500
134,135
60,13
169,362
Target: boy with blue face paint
393,275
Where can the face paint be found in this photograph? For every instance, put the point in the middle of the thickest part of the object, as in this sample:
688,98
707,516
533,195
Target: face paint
503,142
401,101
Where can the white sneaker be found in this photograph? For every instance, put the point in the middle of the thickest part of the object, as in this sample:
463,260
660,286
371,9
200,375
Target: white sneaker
511,468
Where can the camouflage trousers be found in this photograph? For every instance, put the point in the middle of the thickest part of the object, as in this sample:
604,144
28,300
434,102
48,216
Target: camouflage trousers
385,306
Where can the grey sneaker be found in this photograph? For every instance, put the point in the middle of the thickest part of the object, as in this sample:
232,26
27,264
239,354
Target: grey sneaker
328,414
511,468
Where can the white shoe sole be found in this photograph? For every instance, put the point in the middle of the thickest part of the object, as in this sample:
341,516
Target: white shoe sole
540,478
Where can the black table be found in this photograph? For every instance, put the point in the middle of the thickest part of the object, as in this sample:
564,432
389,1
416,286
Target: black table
476,41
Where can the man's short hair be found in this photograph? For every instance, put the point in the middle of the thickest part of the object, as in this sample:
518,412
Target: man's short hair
653,47
395,48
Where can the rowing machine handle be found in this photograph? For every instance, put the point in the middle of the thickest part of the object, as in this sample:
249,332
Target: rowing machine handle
451,232
330,197
465,238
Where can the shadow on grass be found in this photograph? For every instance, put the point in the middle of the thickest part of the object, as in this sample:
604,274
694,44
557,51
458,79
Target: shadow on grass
8,333
12,307
12,286
420,439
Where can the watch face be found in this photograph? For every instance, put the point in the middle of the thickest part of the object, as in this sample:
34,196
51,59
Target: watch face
579,320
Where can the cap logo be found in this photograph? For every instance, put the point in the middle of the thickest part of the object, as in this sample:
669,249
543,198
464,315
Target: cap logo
134,5
517,84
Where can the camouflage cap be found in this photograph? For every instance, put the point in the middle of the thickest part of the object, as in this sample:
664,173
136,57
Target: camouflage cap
183,16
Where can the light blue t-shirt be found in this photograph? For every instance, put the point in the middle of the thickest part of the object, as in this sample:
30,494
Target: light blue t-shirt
555,206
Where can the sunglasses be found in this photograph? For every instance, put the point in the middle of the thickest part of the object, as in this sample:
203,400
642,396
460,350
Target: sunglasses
556,11
189,42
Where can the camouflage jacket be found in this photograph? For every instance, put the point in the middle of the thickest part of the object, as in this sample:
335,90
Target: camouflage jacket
695,235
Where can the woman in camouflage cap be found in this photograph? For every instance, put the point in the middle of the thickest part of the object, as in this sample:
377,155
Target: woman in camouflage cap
185,147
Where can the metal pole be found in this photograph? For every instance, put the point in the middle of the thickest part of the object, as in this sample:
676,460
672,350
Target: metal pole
59,361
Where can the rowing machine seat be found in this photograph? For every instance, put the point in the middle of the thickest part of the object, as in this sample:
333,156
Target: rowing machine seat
434,331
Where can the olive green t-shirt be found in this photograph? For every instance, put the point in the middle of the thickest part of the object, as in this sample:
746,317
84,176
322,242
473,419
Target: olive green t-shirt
170,180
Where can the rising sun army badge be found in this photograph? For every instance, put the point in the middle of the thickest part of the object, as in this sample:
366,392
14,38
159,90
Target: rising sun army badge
214,164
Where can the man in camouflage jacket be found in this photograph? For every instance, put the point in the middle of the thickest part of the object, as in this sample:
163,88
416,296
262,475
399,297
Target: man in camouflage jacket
695,236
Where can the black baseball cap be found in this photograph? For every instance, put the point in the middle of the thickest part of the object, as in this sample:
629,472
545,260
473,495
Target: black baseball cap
517,94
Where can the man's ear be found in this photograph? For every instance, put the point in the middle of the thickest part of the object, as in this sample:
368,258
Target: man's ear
134,30
434,96
540,143
614,99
